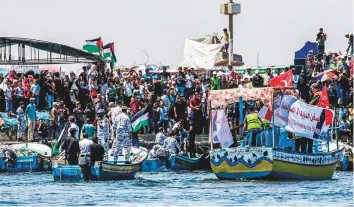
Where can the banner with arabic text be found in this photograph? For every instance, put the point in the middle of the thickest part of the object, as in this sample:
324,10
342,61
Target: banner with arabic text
303,119
220,129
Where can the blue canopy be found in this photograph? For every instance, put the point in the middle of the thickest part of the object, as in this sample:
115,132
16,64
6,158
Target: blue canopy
308,48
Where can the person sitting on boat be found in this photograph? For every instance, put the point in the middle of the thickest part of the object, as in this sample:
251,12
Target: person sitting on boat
171,143
153,151
253,124
160,137
123,132
181,133
72,148
96,151
85,143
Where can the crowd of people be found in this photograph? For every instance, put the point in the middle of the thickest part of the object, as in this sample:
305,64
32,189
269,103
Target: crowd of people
178,100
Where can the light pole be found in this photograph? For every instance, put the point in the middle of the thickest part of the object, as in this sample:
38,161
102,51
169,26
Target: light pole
231,9
231,40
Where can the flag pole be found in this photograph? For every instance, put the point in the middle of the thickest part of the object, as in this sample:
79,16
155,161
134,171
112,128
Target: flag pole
211,127
273,127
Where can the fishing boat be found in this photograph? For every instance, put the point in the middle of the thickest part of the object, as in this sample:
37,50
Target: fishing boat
101,170
289,165
27,157
174,162
110,170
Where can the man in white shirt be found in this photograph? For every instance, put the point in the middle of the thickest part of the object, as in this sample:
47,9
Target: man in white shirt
73,125
84,144
189,84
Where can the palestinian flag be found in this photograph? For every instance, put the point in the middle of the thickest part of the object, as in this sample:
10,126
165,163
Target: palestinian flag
63,135
93,46
141,118
108,53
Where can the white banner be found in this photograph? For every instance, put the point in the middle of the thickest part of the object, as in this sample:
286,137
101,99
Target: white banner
298,117
220,129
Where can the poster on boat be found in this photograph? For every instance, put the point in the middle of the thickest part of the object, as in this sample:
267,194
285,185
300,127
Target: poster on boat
298,117
220,129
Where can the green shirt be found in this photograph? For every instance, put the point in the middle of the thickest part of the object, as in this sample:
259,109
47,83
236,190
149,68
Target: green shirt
215,83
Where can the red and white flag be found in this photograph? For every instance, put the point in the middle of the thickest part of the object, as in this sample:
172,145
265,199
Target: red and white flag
265,113
283,80
324,101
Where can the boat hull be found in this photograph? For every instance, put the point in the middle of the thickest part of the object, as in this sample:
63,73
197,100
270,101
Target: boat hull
241,163
111,171
154,165
300,166
179,162
67,173
32,163
346,163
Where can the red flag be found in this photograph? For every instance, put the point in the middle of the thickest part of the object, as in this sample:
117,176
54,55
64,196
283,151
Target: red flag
324,101
99,43
283,80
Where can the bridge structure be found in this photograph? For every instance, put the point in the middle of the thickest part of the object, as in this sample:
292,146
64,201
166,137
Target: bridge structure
26,51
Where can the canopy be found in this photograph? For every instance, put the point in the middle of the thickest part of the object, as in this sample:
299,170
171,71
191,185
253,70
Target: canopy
200,55
230,96
308,48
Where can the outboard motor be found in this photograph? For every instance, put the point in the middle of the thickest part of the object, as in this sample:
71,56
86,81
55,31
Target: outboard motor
162,154
85,164
9,157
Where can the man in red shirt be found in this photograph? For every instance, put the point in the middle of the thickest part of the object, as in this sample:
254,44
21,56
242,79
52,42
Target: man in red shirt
136,104
196,107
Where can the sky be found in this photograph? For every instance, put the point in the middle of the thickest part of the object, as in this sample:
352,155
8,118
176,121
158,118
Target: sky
274,29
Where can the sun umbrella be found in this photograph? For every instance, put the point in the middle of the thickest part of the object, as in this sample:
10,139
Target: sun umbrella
326,75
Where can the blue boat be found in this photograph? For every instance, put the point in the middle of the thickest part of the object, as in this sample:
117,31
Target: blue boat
154,165
174,162
67,173
102,170
32,163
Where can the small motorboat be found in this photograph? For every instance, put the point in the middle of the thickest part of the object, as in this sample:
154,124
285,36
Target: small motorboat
119,170
101,170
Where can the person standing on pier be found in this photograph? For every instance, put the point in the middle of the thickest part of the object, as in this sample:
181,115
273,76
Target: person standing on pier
123,133
21,121
31,118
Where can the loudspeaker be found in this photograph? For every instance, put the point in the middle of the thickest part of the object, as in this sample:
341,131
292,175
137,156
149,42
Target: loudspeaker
301,61
298,68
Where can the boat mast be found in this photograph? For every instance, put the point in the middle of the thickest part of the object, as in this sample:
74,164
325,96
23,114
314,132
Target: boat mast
210,126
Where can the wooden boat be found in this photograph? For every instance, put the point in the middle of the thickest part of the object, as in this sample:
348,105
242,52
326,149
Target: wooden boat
175,162
182,162
346,163
111,170
289,165
102,170
241,162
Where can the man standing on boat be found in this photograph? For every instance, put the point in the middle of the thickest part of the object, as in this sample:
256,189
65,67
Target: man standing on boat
253,124
103,130
123,133
72,148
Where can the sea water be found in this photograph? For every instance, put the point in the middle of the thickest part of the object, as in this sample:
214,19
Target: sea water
199,188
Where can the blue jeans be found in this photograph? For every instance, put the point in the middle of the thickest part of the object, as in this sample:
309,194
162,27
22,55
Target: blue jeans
8,105
252,139
180,90
50,101
344,95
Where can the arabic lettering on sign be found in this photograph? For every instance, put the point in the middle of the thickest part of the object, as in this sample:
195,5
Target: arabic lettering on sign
294,123
303,115
306,159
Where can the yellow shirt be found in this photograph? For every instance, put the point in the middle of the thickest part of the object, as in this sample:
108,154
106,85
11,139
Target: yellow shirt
225,37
